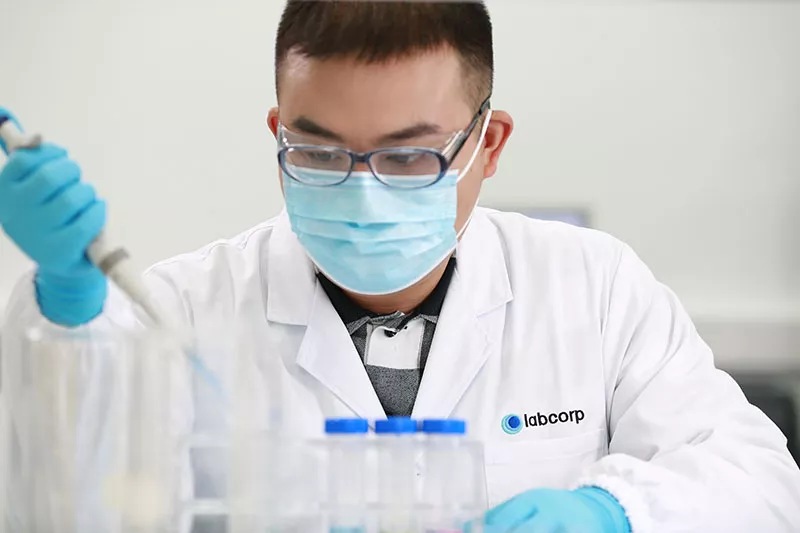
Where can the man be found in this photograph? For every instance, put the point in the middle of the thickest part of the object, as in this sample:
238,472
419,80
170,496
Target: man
383,290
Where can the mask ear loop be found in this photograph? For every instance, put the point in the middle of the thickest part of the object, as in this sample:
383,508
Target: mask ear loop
484,129
463,173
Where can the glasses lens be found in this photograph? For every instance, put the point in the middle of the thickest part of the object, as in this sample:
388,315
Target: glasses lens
317,166
407,168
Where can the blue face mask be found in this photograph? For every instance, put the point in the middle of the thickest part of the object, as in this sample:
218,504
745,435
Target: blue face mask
372,239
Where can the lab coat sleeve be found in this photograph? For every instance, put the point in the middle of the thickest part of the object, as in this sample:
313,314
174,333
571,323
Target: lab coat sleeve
22,316
687,451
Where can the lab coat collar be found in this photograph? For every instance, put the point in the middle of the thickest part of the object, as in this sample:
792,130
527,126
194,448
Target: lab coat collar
291,277
481,264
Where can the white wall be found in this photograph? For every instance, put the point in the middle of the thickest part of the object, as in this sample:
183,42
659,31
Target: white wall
678,124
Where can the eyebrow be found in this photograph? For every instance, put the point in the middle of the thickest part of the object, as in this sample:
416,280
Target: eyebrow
412,132
309,127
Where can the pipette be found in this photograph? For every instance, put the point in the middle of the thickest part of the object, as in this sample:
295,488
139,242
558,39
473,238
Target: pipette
113,261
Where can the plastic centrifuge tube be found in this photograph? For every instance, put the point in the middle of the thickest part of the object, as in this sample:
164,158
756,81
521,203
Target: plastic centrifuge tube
347,470
449,488
397,471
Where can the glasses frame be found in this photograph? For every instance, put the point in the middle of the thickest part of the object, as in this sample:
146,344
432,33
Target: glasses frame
446,156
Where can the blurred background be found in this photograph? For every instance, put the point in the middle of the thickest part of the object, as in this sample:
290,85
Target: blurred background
674,125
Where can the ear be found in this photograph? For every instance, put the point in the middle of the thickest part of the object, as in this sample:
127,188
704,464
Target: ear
500,128
272,123
272,120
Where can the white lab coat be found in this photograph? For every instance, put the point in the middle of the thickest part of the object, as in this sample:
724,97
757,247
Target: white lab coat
540,319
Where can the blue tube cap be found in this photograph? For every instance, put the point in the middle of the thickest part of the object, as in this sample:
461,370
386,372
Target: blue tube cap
346,426
444,427
396,425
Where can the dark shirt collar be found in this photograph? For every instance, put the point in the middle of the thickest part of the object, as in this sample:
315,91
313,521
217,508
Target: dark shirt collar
349,311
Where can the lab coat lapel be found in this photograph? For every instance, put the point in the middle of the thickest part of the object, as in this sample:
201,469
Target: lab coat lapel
468,331
290,277
326,351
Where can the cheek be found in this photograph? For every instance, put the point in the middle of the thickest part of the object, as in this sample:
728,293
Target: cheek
468,190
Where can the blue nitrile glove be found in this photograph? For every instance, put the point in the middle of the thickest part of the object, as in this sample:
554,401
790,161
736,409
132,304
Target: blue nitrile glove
586,510
53,216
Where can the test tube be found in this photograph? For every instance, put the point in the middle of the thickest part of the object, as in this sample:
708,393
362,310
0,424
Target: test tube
347,466
397,471
451,491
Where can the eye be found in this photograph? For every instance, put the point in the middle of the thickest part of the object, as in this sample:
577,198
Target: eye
321,156
403,159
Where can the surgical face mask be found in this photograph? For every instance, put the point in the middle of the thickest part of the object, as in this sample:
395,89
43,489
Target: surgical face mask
372,239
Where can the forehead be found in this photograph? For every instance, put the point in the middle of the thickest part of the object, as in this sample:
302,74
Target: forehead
362,101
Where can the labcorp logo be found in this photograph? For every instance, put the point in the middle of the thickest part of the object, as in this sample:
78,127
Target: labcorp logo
513,424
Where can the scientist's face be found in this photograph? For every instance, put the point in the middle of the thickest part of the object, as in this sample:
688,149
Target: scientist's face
416,101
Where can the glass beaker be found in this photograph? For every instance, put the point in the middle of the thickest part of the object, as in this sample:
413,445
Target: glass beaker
92,421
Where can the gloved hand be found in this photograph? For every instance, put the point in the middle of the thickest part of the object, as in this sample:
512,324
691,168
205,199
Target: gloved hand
586,510
53,216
